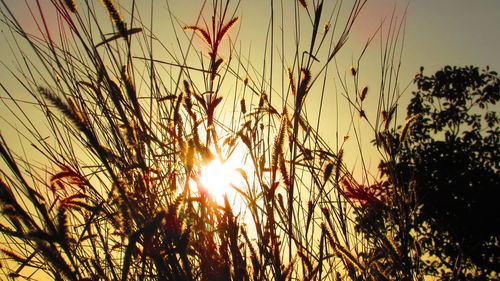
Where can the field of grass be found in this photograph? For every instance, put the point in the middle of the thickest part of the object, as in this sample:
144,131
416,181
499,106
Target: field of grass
104,173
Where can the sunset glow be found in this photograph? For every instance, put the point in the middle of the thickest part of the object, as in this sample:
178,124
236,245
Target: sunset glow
249,140
217,178
220,176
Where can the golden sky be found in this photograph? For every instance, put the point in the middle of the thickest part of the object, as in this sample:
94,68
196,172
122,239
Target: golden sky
437,33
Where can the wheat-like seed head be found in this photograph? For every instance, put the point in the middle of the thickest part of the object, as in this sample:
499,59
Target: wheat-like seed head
71,5
327,172
116,17
302,3
353,70
362,94
406,127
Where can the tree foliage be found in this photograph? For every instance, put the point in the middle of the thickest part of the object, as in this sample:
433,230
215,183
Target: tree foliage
450,159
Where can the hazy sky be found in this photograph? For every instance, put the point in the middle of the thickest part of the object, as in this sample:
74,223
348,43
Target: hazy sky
438,32
445,32
455,32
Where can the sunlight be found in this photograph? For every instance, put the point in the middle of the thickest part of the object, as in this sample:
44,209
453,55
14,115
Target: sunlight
224,175
217,178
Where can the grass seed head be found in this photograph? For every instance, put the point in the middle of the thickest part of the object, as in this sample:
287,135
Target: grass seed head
327,172
328,235
302,3
353,71
71,5
326,28
338,164
305,77
205,36
292,82
223,31
116,17
243,107
362,94
406,127
13,256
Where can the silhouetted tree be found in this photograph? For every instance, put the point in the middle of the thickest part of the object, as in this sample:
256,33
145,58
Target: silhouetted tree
449,158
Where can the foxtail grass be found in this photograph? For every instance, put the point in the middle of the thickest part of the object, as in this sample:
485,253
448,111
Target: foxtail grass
114,191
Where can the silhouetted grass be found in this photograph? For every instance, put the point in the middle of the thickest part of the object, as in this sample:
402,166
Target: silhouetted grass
117,195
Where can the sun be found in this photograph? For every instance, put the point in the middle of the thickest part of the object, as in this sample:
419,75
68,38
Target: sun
217,177
229,173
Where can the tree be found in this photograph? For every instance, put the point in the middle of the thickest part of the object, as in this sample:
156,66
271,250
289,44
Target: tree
451,156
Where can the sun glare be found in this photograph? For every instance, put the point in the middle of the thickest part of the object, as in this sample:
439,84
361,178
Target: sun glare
217,177
225,175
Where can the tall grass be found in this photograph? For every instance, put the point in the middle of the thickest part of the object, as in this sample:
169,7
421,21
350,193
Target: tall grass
110,188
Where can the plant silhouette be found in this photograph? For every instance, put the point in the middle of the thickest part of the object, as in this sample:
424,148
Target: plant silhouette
446,160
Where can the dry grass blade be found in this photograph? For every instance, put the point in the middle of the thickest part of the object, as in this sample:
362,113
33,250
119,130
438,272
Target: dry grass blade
305,260
150,226
349,257
292,82
312,273
119,35
288,270
338,165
